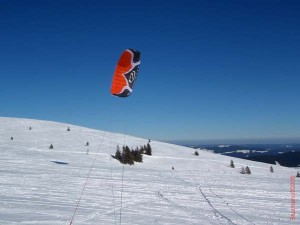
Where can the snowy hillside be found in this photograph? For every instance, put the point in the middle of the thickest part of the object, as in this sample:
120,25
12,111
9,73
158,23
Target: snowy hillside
200,190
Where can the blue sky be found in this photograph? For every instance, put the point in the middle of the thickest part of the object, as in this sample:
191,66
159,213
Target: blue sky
209,70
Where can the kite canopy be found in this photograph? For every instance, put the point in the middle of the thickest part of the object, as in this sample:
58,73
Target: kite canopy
125,73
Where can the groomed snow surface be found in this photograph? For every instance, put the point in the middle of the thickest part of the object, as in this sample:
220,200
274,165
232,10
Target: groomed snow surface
200,190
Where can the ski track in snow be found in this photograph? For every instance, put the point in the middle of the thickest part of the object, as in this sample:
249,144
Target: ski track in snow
217,212
230,206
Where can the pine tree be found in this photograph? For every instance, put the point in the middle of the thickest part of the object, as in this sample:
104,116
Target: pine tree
137,156
127,156
271,169
231,164
133,153
118,153
30,128
51,146
87,144
196,153
142,150
298,174
68,129
148,149
11,138
247,170
122,159
243,171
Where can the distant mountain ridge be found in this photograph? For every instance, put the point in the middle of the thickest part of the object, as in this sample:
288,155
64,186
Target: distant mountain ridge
289,159
287,154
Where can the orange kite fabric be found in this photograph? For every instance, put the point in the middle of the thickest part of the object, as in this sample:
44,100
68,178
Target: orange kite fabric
125,73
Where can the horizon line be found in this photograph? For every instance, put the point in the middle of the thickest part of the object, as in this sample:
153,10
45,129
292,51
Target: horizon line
232,141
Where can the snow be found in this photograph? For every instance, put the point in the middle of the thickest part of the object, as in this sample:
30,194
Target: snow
204,149
246,151
239,151
224,146
259,151
200,190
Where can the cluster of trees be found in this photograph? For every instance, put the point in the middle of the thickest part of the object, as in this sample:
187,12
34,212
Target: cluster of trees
245,170
129,156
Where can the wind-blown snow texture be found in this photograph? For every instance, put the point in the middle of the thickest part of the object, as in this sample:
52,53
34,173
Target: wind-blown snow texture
201,190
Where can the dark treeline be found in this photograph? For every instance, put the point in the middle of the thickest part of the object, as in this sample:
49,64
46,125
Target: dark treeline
129,156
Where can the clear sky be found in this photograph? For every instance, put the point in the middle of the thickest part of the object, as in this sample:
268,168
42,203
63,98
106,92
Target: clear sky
209,69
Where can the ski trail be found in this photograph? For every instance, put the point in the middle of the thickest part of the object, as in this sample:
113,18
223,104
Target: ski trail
230,206
217,212
107,212
172,202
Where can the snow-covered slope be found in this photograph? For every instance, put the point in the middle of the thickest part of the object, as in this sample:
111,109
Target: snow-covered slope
201,190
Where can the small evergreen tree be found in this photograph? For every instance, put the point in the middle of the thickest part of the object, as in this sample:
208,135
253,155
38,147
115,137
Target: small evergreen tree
122,159
133,153
51,146
138,156
271,169
231,164
30,128
127,156
149,140
142,150
68,129
11,138
247,170
148,149
196,153
118,153
87,144
243,171
298,174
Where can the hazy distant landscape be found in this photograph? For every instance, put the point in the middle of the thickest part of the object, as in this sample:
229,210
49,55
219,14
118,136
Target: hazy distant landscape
285,154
